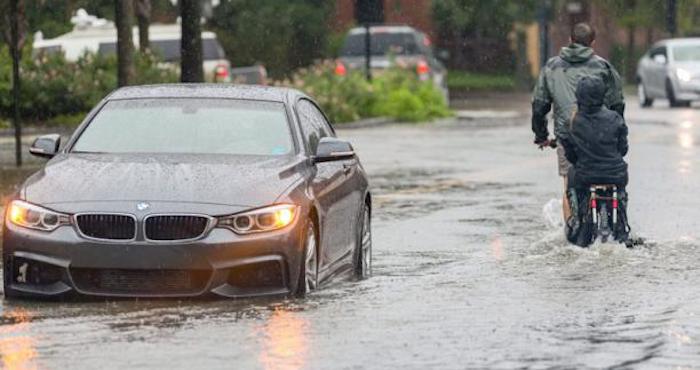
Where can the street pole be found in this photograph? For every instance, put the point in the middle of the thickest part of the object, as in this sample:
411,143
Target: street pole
671,17
543,20
16,53
368,52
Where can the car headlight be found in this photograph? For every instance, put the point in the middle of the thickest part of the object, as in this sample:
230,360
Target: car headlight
683,75
260,220
34,217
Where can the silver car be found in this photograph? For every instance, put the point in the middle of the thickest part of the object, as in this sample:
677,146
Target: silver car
670,70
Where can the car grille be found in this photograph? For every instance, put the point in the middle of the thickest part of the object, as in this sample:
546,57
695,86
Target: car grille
107,226
148,282
175,227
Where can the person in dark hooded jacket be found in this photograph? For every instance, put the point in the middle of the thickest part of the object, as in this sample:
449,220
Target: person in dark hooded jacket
595,139
595,143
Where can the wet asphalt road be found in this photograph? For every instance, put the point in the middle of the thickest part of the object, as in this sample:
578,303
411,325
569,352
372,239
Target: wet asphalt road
471,271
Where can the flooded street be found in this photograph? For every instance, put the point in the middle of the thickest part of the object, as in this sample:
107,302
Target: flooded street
471,270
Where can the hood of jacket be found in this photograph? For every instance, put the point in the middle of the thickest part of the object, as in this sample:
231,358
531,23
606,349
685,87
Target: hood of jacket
576,53
590,93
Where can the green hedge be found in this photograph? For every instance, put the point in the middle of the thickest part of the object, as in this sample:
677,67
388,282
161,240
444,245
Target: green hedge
395,93
53,87
55,90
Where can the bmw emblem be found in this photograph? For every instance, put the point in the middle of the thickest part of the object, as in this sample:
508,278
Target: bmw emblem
142,206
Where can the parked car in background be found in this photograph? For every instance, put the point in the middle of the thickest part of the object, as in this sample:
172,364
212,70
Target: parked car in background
670,70
392,46
164,39
253,75
203,190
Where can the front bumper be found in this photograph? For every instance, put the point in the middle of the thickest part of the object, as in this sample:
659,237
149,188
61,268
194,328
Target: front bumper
220,264
689,91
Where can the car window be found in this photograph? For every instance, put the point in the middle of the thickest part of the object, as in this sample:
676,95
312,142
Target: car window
313,124
169,50
48,50
686,53
107,48
194,126
661,50
381,43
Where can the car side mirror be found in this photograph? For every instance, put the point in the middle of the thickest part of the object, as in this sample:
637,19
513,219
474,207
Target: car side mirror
660,59
331,149
46,146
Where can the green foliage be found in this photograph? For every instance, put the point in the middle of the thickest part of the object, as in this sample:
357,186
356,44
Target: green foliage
52,86
636,13
476,31
689,17
461,80
482,18
52,17
396,93
283,35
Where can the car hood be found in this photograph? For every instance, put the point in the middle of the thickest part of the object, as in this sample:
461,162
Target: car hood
193,183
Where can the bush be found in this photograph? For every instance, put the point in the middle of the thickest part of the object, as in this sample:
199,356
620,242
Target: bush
395,93
52,86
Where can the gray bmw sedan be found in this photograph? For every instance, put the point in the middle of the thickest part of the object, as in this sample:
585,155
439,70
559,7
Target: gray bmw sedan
190,190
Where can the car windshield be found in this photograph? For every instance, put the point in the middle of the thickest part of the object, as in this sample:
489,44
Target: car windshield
169,50
201,126
381,43
687,53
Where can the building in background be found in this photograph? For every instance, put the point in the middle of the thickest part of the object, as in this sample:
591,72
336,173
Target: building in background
415,13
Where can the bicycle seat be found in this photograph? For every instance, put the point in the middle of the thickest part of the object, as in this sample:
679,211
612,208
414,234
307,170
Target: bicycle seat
603,187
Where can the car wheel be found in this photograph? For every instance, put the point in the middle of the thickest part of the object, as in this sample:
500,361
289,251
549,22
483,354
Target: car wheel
671,95
363,263
308,273
644,100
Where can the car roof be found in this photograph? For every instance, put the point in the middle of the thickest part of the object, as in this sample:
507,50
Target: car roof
680,41
208,90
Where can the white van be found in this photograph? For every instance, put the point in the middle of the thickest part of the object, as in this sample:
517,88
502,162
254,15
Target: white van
164,39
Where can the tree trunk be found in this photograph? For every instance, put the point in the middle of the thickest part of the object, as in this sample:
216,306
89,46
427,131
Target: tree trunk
630,60
143,16
650,36
191,44
125,46
17,29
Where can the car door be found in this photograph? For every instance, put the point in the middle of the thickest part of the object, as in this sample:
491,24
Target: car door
656,71
333,188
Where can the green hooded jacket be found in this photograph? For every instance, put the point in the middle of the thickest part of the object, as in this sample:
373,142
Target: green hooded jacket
556,86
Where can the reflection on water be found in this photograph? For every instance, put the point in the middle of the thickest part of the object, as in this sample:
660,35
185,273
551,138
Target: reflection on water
17,346
285,342
686,139
497,249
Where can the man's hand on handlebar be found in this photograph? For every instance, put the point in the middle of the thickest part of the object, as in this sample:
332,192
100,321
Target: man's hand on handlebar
551,143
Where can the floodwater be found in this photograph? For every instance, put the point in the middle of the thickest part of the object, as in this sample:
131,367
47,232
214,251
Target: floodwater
471,271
